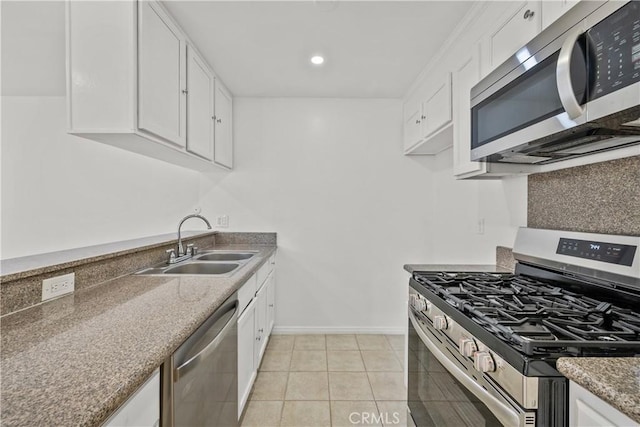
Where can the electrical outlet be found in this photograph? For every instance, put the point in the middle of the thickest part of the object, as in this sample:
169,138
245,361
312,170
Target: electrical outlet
57,286
480,226
222,221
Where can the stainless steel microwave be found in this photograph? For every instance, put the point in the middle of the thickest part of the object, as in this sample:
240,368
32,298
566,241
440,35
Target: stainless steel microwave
573,90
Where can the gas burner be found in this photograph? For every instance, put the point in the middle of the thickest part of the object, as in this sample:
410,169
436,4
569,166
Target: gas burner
534,316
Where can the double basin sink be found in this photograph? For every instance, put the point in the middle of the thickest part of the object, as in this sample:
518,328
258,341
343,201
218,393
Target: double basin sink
211,263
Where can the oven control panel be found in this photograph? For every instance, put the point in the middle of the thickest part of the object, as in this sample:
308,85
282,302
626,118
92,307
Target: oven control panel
612,253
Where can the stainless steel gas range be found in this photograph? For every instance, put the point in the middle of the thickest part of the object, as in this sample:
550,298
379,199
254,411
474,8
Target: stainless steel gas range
483,346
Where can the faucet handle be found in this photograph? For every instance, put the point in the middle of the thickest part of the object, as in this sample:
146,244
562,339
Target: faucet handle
189,250
172,255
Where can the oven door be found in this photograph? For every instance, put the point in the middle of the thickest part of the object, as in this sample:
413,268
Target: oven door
443,392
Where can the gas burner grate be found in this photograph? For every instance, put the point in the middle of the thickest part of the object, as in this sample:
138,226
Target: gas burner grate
537,317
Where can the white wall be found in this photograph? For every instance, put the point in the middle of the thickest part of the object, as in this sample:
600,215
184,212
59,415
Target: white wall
458,207
329,176
61,191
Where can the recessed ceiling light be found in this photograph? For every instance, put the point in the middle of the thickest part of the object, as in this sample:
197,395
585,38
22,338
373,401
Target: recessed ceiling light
317,60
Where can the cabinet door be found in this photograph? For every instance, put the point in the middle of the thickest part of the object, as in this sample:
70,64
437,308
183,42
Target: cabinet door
465,76
412,122
223,140
588,410
552,10
142,409
161,75
200,86
246,366
517,31
271,302
436,110
261,324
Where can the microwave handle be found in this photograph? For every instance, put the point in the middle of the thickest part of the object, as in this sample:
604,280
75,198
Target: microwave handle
563,77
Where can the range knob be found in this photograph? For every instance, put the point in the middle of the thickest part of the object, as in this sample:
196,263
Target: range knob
483,361
467,347
420,304
440,322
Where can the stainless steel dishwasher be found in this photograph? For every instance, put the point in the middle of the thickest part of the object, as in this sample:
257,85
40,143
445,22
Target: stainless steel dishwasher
200,380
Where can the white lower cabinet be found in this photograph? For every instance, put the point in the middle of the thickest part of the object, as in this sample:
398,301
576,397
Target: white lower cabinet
142,409
588,410
254,327
246,361
261,324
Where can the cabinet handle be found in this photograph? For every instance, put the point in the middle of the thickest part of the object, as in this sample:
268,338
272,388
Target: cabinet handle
270,305
185,91
423,117
529,14
257,338
218,120
261,330
417,122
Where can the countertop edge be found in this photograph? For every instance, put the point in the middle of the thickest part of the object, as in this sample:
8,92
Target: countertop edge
471,268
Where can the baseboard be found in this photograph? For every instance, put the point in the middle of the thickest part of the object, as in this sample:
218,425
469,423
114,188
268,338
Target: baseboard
288,330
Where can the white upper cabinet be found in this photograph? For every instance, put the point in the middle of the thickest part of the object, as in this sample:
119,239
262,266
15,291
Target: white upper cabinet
223,140
516,31
412,110
465,76
162,86
436,110
552,10
135,81
200,120
427,118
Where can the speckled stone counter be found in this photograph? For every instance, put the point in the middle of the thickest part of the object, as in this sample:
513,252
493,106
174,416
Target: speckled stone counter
485,268
616,380
75,360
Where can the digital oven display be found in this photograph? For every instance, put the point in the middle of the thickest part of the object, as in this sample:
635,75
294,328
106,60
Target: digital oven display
599,251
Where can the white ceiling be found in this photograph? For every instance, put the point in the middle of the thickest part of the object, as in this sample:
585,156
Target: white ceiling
373,49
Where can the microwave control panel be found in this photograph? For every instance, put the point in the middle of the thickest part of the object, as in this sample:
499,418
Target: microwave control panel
615,47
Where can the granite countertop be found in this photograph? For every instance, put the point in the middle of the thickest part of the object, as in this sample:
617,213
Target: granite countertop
76,359
616,380
485,268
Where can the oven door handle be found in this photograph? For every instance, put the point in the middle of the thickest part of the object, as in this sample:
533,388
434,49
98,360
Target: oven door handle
563,77
504,413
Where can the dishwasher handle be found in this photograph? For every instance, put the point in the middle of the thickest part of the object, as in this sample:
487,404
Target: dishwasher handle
193,362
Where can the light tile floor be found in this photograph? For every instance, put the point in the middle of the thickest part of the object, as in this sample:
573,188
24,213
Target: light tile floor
329,380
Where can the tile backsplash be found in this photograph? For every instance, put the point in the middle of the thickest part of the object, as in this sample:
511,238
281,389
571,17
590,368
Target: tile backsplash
597,198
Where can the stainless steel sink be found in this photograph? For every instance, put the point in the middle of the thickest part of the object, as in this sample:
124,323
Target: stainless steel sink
202,268
224,256
219,269
217,263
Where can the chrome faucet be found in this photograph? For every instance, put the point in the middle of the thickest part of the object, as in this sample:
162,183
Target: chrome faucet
182,254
